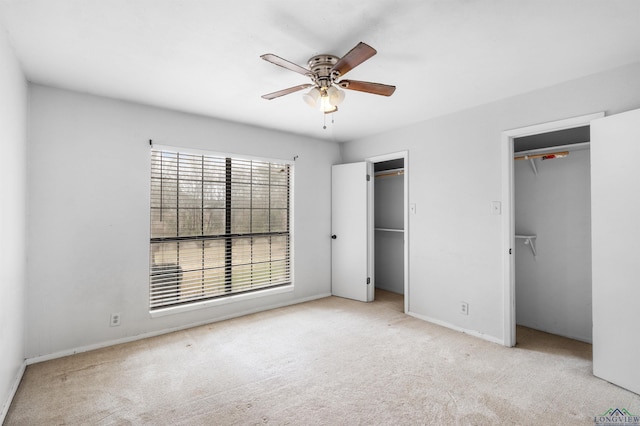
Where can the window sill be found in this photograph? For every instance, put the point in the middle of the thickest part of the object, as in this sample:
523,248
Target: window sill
222,301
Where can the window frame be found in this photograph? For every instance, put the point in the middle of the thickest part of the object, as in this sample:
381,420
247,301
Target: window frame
231,297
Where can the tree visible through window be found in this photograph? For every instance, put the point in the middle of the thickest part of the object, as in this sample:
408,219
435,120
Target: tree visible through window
219,226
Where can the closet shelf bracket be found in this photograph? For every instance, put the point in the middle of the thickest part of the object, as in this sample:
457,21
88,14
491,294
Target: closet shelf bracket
530,241
533,166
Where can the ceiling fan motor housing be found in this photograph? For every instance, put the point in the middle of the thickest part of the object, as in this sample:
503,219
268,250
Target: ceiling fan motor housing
321,67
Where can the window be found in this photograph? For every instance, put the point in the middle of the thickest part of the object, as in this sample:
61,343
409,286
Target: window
219,227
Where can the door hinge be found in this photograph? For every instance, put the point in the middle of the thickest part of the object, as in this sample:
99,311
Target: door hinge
368,280
509,251
368,178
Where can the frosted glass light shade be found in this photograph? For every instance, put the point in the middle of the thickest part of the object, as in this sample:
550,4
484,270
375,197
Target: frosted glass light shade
336,96
311,97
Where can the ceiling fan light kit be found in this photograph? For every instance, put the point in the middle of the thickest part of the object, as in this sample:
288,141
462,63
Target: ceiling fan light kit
326,100
325,72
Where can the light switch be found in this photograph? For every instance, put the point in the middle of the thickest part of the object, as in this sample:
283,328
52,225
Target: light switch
496,208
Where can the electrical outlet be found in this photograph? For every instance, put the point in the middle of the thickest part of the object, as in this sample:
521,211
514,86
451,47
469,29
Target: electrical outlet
464,308
115,320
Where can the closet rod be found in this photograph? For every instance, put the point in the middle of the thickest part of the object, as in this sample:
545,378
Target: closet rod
549,154
393,173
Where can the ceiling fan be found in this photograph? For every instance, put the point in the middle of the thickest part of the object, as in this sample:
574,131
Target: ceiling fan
325,72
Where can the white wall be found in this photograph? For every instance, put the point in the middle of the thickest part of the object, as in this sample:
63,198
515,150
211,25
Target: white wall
89,230
455,244
553,290
389,246
13,216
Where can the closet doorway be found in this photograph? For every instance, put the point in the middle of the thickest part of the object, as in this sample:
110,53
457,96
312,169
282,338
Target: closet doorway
390,246
547,228
552,251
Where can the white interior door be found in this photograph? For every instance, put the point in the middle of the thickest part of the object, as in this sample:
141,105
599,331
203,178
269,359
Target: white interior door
352,229
615,236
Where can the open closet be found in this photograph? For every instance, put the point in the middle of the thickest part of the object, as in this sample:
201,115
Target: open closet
552,196
389,232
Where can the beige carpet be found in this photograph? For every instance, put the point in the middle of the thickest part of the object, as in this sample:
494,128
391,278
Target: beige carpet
328,362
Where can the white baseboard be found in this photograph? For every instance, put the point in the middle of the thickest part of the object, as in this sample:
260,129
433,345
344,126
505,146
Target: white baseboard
12,392
474,333
60,354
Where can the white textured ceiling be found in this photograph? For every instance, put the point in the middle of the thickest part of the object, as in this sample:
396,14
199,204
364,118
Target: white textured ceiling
203,56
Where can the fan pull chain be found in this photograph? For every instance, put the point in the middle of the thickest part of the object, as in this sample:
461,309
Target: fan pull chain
325,121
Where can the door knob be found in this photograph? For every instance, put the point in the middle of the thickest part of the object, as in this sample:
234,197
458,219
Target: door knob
333,237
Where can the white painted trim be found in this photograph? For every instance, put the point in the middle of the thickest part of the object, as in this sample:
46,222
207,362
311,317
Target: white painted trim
407,233
445,324
552,126
508,219
233,298
87,348
12,392
371,239
508,242
387,157
405,156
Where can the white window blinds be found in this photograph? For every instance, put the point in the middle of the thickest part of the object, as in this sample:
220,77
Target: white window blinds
219,226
